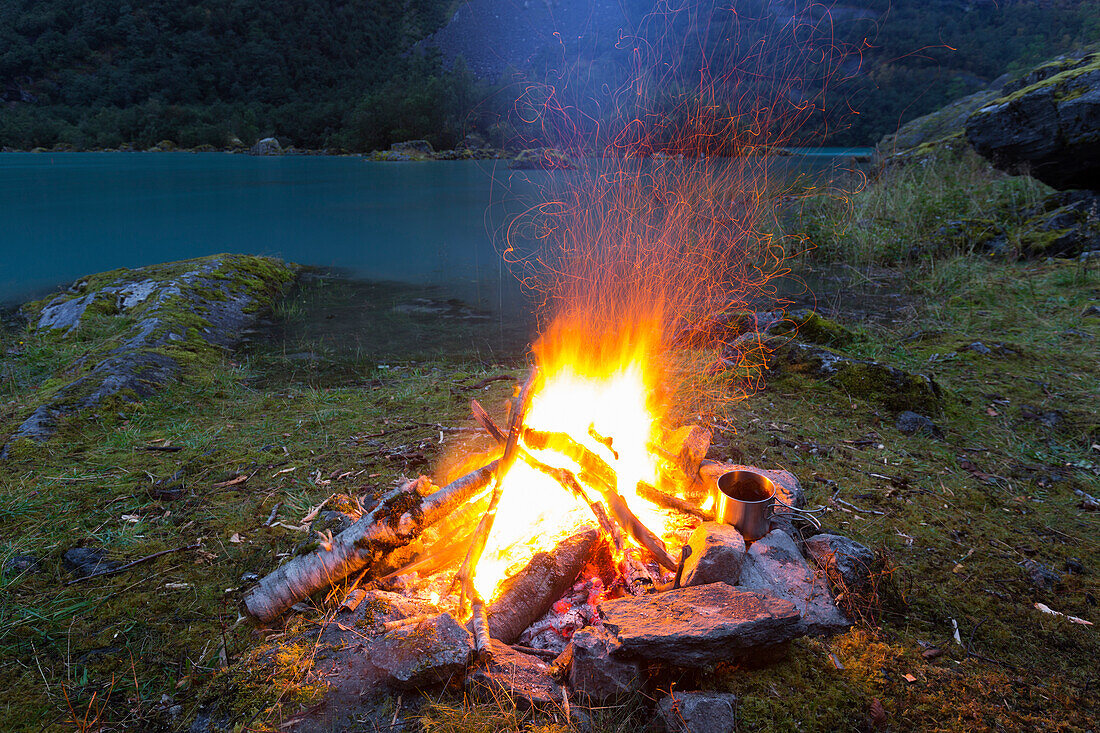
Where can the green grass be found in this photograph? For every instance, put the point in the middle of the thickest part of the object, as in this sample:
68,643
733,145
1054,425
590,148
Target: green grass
899,214
954,538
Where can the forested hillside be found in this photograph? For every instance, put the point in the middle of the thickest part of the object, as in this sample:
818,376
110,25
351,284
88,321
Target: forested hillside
359,74
100,73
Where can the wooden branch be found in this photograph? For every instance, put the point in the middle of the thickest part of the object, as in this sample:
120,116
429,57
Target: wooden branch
639,581
649,493
563,443
483,645
597,473
642,534
395,521
563,476
464,578
129,565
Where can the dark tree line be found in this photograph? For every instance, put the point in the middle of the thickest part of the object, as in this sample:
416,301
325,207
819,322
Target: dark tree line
350,74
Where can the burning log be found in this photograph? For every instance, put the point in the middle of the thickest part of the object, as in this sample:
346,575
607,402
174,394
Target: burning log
593,467
464,578
639,581
395,521
529,594
637,530
668,501
563,443
682,451
563,476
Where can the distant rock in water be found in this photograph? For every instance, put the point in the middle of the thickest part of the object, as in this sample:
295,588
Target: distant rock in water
413,146
164,321
267,146
1049,127
542,159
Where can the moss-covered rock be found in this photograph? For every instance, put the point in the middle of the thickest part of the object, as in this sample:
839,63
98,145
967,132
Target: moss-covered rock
1064,225
811,327
139,329
1049,128
865,379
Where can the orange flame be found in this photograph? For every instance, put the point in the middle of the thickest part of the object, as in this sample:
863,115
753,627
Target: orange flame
600,392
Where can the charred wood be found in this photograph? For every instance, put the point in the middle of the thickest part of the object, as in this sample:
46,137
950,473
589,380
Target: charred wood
526,596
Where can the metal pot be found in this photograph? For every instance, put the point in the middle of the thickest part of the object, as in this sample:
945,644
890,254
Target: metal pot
745,499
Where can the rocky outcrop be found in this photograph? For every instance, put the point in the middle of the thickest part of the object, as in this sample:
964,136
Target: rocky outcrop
267,146
937,131
1064,224
422,147
1049,128
165,320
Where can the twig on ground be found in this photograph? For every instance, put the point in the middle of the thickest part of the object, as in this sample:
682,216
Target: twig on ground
274,512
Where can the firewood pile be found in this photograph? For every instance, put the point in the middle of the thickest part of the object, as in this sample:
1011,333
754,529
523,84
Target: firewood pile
604,613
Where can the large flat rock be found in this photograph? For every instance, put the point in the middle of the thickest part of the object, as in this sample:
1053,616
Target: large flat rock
701,625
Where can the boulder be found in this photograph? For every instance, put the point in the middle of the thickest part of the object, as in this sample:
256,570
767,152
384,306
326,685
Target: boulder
83,561
596,675
851,560
717,552
913,423
698,712
521,677
267,146
701,625
1049,128
774,564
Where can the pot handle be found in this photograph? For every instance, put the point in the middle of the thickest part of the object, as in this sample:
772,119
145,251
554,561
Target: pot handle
807,515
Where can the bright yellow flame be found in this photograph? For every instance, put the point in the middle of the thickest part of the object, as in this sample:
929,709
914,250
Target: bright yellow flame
600,389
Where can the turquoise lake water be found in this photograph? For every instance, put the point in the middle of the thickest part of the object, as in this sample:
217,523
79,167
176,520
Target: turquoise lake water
67,215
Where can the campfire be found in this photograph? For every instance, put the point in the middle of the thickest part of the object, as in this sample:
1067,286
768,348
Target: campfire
582,448
595,532
592,537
